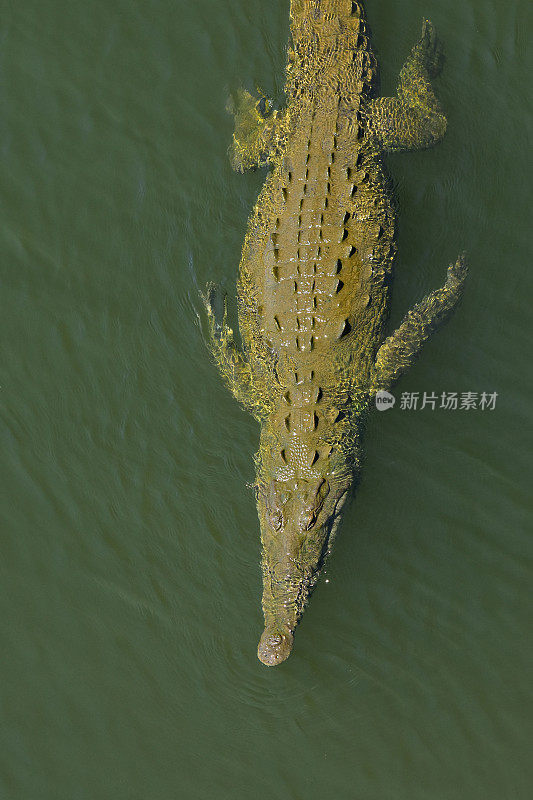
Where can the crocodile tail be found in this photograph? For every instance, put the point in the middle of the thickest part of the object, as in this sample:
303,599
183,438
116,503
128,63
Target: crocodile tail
347,11
326,20
333,30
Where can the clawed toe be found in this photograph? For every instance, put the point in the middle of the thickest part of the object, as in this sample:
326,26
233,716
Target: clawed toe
457,272
432,47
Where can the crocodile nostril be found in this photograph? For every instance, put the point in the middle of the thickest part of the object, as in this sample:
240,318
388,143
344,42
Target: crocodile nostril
274,647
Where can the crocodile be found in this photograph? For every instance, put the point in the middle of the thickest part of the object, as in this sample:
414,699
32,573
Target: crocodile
314,286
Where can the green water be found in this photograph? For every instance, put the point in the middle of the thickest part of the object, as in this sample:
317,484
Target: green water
129,567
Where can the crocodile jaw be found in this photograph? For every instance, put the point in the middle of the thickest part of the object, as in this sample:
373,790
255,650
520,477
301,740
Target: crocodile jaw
292,561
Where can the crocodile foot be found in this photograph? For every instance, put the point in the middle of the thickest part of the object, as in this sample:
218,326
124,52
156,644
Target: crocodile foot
274,647
255,130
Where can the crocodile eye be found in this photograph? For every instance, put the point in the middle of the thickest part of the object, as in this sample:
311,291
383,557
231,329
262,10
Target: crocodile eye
263,107
275,519
274,506
307,520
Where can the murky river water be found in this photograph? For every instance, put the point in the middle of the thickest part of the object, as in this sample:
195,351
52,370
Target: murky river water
129,566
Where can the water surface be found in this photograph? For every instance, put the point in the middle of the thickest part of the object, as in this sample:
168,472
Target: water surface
130,580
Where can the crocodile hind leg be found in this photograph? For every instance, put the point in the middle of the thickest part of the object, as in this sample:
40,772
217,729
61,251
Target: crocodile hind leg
398,352
232,364
258,131
412,120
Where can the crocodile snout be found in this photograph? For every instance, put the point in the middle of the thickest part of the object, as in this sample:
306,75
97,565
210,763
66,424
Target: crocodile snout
274,647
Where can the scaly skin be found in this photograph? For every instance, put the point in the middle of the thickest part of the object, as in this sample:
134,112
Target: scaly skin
314,286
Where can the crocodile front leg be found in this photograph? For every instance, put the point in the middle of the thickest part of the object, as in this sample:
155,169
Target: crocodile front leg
412,120
398,352
258,132
235,369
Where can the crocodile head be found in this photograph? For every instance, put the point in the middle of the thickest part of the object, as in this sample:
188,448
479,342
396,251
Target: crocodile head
298,521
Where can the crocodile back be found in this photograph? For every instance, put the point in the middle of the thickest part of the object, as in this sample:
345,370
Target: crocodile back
313,287
320,239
